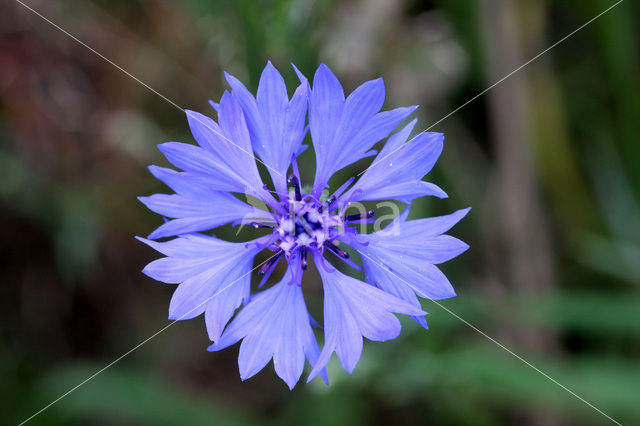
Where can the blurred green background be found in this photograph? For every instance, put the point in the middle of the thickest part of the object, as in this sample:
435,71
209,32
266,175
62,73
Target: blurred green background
549,159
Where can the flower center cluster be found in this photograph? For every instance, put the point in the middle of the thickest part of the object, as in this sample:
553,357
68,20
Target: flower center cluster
306,224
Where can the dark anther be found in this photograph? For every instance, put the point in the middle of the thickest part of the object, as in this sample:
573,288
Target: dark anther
303,255
257,225
337,250
296,186
271,262
356,217
327,203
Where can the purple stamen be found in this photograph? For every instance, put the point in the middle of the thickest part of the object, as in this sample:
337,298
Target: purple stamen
270,263
296,186
327,203
303,256
359,217
266,277
313,198
250,222
305,230
294,167
257,225
337,250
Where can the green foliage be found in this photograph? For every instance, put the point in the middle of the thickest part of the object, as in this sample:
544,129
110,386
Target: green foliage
126,395
67,196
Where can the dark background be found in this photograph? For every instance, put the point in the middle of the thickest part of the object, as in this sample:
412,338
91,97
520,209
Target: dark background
549,159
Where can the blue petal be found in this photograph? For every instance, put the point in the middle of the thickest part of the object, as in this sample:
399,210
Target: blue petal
196,205
191,297
398,170
186,257
392,285
245,322
344,131
429,226
401,191
294,127
433,249
178,206
204,168
276,124
251,112
172,205
222,307
334,150
198,212
274,324
173,270
205,267
326,103
189,225
353,309
380,126
272,99
227,153
201,165
233,124
423,278
359,109
181,182
188,246
401,258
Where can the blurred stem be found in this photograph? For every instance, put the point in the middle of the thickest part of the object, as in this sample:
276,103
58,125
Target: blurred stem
524,233
522,230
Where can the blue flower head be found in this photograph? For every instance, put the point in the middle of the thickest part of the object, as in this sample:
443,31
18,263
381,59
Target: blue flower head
214,276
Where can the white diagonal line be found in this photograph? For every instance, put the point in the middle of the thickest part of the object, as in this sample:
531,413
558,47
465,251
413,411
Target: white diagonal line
229,285
143,83
100,55
136,347
500,81
500,345
206,300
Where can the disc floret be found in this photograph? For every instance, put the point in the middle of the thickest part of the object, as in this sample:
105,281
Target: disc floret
310,225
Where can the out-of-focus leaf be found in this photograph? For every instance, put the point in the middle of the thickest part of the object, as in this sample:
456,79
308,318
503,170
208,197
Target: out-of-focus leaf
69,212
613,257
489,374
121,395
